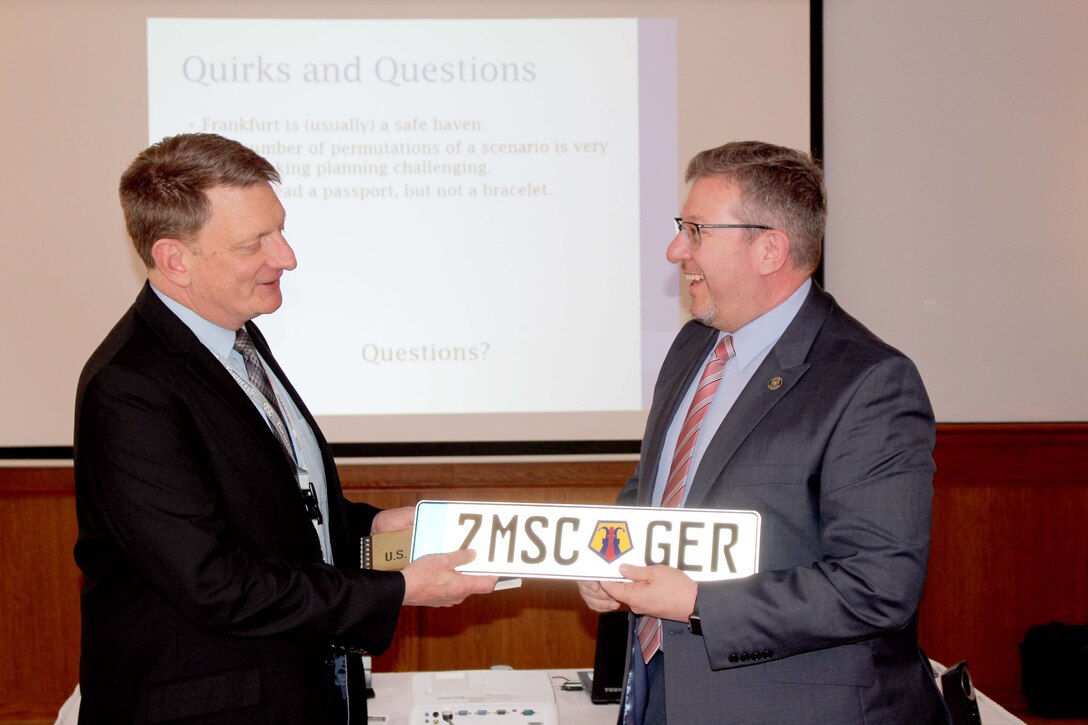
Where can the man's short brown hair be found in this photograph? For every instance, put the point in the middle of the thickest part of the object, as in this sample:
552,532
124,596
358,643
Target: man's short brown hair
779,187
163,191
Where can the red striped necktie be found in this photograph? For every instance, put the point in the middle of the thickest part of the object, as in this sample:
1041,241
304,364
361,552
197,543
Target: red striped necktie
649,628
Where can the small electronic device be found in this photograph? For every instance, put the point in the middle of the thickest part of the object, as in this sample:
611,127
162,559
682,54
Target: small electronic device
959,695
471,697
605,683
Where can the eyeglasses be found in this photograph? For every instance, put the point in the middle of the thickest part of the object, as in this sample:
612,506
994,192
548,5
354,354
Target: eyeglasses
693,233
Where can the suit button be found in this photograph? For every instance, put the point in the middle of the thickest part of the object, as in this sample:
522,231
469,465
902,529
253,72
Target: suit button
757,656
744,656
767,654
733,659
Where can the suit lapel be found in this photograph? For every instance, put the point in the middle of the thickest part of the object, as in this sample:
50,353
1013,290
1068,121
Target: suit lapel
210,372
675,379
331,479
266,352
333,492
195,357
779,372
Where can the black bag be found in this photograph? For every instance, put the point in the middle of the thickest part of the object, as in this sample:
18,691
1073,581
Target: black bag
1054,669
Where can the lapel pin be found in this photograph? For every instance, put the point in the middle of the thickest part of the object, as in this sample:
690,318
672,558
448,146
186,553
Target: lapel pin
774,383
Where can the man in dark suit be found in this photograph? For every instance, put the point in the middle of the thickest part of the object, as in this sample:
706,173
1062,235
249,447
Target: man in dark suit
774,399
220,558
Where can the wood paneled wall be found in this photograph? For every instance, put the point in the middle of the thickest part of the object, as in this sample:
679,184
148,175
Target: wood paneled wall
1008,549
1008,552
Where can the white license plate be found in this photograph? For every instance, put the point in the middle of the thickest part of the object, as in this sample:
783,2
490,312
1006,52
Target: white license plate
557,541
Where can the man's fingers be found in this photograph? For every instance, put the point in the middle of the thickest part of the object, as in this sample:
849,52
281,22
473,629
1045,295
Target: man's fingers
461,556
616,590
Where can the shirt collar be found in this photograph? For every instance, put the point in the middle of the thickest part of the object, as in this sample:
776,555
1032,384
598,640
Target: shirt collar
217,339
751,340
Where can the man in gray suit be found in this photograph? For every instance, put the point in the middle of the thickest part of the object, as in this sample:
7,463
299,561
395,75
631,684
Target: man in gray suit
774,399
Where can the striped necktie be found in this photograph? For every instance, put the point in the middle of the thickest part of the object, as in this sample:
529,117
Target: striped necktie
649,628
243,343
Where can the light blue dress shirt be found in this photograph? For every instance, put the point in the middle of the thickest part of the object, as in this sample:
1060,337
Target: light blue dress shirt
751,344
220,341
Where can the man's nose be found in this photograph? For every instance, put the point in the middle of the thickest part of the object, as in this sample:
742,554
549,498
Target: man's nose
285,255
678,249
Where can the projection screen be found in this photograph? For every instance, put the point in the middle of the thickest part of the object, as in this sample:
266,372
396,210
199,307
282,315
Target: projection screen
479,196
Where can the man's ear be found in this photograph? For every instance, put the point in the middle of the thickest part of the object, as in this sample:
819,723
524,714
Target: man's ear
169,256
774,249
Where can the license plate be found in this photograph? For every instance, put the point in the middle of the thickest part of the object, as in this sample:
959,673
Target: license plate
557,541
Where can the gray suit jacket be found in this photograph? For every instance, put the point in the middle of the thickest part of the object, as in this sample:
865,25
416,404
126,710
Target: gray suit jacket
838,461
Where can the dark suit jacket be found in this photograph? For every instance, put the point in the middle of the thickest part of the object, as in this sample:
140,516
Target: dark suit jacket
838,461
204,592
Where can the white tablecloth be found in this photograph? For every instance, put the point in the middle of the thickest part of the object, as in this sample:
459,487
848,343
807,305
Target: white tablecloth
393,698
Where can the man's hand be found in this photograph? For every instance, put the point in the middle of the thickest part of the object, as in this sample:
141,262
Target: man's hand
430,581
393,520
658,590
597,598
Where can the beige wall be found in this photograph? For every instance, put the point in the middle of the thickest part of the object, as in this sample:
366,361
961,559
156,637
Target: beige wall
957,166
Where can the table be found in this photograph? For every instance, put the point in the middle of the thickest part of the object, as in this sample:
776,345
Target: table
393,697
393,700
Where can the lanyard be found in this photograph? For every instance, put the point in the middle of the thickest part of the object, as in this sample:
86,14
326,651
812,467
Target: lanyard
305,484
